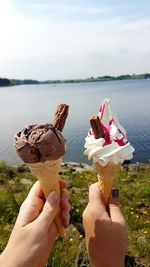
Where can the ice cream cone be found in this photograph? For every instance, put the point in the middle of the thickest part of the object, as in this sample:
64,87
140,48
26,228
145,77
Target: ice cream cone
42,146
47,174
107,145
106,175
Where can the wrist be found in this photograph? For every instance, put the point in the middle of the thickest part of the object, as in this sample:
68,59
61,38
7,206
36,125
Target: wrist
4,260
107,264
7,259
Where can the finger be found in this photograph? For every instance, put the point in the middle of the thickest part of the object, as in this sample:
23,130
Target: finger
63,184
52,233
96,203
114,209
94,193
32,206
65,217
114,197
36,190
50,210
65,208
29,211
64,203
95,197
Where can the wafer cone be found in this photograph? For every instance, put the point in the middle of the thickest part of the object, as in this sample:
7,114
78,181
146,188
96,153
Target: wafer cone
106,175
47,174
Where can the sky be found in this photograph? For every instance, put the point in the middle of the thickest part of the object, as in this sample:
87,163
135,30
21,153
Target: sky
50,39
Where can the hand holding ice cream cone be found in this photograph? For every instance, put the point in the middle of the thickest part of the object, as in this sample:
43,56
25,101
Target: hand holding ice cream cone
42,147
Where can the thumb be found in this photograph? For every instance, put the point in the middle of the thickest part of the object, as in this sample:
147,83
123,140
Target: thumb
114,209
50,210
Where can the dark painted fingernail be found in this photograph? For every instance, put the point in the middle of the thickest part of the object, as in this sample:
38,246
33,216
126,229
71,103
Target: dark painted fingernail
115,192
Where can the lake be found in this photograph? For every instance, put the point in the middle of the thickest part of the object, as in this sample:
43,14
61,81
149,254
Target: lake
27,104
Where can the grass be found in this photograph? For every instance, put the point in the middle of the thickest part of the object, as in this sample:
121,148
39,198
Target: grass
135,195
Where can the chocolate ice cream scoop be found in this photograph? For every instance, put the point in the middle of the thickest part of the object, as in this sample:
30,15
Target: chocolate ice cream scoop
38,143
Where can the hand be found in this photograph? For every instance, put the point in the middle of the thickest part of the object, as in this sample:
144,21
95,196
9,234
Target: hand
106,232
34,233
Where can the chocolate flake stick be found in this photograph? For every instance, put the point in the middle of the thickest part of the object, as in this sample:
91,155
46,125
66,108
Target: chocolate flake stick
97,127
60,116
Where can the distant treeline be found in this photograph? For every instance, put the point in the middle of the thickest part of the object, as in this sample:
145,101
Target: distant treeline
5,82
10,82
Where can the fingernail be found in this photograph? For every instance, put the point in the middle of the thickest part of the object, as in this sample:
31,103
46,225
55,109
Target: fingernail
53,197
115,192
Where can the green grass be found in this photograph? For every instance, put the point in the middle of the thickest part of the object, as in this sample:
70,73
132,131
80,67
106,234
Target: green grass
135,195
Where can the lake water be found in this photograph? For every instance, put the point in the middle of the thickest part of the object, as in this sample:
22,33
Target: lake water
26,104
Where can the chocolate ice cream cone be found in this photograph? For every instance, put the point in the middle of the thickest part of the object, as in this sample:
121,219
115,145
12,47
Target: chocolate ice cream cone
42,146
47,174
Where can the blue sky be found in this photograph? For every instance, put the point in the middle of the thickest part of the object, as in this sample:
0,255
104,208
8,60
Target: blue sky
44,39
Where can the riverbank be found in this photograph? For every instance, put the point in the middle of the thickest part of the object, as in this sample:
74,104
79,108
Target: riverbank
133,183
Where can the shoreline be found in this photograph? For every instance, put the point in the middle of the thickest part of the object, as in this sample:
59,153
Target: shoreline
106,78
81,167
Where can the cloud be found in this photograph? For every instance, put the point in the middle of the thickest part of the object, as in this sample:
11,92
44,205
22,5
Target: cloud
39,45
62,9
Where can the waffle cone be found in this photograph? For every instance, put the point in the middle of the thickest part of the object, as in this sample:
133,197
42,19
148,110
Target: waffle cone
106,175
47,174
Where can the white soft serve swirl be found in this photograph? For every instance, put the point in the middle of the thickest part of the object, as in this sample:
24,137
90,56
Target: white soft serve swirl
113,152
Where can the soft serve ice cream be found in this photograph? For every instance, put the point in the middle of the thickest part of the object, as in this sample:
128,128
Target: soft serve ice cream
113,146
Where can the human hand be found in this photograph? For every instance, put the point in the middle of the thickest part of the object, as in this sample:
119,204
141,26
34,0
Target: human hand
106,231
34,233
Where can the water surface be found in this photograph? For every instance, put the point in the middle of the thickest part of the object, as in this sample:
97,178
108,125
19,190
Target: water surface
26,104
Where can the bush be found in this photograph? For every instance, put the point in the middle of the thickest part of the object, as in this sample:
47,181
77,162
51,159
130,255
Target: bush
71,252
